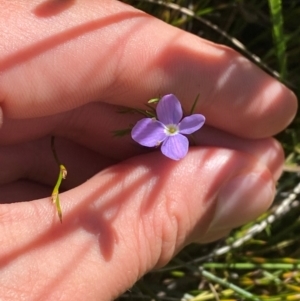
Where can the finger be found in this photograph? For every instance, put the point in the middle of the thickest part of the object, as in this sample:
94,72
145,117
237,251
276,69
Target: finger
92,126
126,220
267,151
52,72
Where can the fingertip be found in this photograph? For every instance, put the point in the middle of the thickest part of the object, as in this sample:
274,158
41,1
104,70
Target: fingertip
245,100
242,199
276,107
268,151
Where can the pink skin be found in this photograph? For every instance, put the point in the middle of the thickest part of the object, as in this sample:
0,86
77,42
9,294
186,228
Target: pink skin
125,210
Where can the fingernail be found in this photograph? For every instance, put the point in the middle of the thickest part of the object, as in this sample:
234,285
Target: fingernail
243,199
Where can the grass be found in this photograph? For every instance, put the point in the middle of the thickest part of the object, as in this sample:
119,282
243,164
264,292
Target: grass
258,261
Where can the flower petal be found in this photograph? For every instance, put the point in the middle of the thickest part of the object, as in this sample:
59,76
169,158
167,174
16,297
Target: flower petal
169,110
175,147
191,124
148,132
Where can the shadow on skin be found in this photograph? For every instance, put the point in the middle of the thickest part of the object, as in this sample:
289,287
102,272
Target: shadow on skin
23,55
52,7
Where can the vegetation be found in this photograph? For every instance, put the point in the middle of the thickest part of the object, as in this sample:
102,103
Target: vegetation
259,260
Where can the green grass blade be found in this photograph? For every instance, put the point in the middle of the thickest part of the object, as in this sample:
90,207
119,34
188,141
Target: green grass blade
278,35
245,294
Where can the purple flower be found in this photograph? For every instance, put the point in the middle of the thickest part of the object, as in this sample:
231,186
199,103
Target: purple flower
168,128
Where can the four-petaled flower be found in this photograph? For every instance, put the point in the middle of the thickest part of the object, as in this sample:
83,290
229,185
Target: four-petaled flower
168,128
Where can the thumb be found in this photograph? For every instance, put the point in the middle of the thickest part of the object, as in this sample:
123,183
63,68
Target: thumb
127,220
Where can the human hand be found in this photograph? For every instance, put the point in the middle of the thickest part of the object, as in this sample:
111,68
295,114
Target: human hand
126,210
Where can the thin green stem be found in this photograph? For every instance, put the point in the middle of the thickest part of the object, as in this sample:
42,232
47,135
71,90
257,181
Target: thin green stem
194,105
61,175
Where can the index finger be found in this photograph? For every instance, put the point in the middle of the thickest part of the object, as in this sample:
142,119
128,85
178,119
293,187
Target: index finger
116,54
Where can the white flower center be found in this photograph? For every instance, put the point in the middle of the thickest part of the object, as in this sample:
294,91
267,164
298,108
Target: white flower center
171,129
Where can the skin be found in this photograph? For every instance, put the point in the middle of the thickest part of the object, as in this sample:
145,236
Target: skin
65,68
